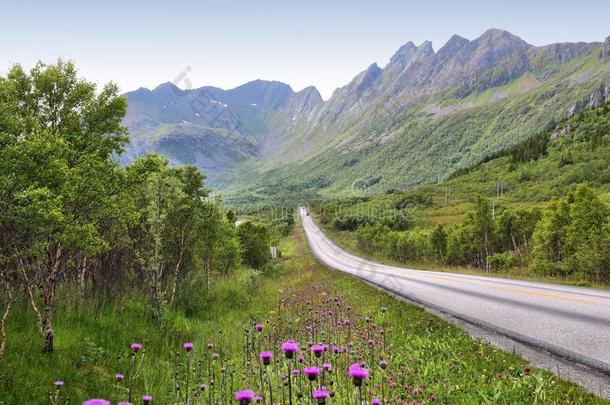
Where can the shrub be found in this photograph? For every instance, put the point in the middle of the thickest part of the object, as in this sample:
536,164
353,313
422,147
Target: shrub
503,261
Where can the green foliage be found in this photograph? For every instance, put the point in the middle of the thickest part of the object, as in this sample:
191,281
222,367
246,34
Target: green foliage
255,240
71,216
572,236
489,214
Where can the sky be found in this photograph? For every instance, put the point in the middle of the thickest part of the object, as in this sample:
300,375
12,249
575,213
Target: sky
227,43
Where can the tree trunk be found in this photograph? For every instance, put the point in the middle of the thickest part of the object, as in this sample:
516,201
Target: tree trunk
512,237
9,295
81,279
29,289
48,296
177,268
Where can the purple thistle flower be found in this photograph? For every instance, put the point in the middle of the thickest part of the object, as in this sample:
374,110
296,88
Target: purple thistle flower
202,387
136,347
259,399
188,346
244,397
311,372
259,327
375,402
290,347
119,377
266,357
210,345
327,367
336,349
320,395
346,322
383,364
301,358
370,342
124,403
96,402
296,372
58,384
147,399
215,356
358,373
317,350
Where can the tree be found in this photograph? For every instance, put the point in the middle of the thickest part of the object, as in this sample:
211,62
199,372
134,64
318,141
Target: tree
57,141
255,240
572,236
438,240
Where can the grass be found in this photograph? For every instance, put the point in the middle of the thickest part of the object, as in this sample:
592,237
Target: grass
429,359
436,357
91,344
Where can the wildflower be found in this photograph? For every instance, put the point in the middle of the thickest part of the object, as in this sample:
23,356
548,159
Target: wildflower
317,350
58,384
244,397
215,356
296,372
301,358
202,387
375,402
259,327
320,395
327,367
311,372
266,357
259,399
119,377
96,402
124,403
290,347
383,364
188,346
432,397
370,342
358,373
136,347
210,346
147,399
336,349
346,322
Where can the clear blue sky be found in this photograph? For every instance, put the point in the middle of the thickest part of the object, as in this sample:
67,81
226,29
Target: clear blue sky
226,43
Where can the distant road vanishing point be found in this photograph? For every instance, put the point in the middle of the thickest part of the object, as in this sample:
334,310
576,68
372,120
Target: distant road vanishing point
569,322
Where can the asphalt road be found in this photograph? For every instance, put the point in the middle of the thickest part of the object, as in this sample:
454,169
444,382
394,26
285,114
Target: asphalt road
570,322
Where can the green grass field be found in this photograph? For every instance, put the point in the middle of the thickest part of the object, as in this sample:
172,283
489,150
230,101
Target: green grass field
429,360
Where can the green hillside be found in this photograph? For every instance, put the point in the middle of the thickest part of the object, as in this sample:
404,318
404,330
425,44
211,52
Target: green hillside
542,206
431,138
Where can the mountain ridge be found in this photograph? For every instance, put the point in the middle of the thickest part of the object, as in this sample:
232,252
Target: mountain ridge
417,92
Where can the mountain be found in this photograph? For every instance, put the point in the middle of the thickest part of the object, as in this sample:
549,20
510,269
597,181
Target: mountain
212,128
422,116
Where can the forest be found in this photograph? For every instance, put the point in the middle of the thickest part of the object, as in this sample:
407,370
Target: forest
76,227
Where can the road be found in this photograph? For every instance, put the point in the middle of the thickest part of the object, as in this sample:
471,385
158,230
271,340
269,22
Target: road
570,322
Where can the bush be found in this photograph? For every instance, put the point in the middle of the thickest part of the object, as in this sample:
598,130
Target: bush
503,261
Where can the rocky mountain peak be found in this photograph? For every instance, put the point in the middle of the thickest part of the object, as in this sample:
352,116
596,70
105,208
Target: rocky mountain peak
605,52
404,54
452,46
168,89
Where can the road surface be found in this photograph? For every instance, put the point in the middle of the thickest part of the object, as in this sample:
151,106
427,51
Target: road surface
570,322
